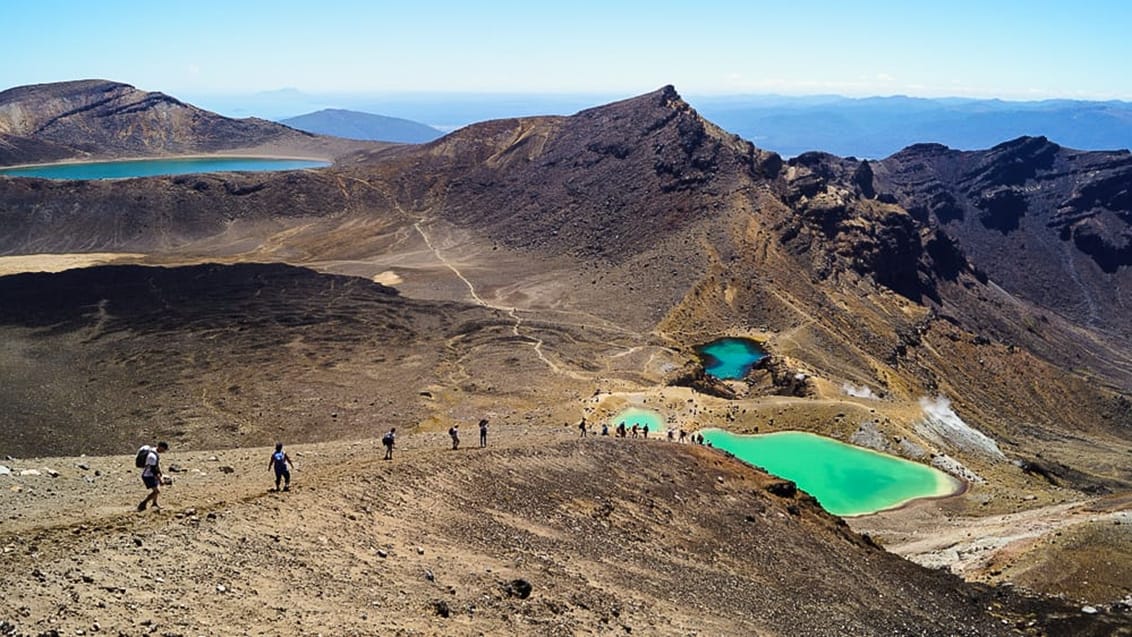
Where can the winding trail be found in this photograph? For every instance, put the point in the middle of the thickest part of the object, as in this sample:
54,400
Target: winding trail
510,310
536,343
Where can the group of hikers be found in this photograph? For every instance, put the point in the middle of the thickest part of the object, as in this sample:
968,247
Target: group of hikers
149,457
389,440
640,430
149,461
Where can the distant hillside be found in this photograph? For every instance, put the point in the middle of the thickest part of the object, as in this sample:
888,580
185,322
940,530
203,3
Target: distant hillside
87,119
366,126
877,127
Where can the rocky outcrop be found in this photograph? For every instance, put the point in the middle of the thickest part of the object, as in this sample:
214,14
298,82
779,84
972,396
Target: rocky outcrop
1051,224
846,226
693,375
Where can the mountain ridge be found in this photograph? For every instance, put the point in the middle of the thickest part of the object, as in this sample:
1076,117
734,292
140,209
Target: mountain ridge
87,119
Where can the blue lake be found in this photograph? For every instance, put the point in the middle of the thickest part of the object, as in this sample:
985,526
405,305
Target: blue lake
730,358
126,169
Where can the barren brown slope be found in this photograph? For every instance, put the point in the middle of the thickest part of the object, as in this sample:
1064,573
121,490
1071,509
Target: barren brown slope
228,213
613,536
95,359
88,119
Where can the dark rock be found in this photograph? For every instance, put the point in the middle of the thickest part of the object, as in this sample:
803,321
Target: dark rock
440,607
863,179
520,588
692,375
782,488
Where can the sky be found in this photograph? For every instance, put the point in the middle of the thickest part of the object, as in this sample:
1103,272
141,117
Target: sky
1019,50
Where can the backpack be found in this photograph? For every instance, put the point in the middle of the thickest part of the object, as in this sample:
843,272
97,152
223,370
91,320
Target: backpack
280,460
143,455
387,439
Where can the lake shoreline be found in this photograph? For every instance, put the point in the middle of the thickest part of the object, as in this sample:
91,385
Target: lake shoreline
222,155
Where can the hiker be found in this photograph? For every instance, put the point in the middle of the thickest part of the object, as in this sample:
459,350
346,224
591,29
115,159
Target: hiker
621,429
645,429
387,441
636,430
683,435
454,432
582,426
151,473
605,429
671,434
279,461
483,433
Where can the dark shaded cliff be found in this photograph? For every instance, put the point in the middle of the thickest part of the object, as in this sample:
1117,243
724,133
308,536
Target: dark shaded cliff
1050,224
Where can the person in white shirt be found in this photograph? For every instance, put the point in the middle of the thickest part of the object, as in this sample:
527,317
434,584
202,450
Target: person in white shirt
151,475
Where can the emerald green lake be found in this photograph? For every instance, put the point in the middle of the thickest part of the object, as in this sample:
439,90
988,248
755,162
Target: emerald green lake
153,167
730,358
845,479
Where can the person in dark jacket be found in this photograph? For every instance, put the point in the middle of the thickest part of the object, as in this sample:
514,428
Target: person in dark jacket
279,461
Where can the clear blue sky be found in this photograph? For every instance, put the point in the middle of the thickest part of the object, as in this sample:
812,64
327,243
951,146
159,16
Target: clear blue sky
1011,49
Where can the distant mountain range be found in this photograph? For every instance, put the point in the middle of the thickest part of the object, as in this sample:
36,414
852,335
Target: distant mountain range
877,127
364,126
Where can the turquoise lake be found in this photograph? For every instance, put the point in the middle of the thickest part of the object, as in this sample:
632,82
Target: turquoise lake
637,416
845,479
154,167
730,358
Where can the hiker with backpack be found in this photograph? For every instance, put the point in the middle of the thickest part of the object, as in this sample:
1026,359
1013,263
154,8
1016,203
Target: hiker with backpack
388,440
279,461
483,433
148,460
454,432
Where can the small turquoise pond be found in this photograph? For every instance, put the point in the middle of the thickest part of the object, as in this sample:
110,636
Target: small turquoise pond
730,358
152,167
637,416
845,479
